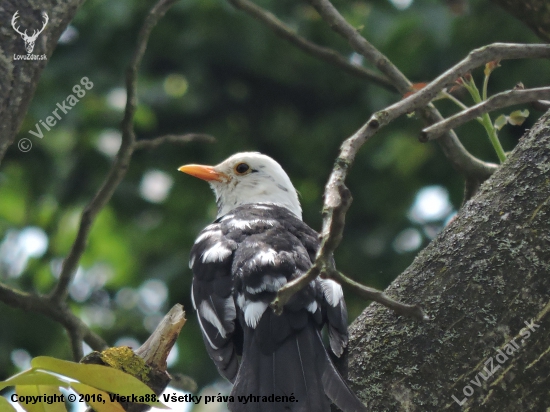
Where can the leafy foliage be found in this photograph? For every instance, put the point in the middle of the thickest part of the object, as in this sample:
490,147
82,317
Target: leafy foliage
48,374
214,70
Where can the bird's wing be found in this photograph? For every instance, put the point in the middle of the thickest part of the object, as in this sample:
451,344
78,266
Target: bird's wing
284,354
239,263
210,260
274,247
330,296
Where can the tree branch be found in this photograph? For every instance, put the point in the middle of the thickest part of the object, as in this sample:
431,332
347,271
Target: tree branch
173,138
412,311
120,165
148,362
53,305
61,314
339,24
476,58
335,205
483,280
323,53
76,338
455,152
498,101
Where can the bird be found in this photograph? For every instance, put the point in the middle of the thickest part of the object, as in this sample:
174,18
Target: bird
257,244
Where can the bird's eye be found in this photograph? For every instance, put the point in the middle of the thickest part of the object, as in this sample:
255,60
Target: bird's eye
242,168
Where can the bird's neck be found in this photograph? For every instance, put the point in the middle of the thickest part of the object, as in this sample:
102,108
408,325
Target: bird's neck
229,201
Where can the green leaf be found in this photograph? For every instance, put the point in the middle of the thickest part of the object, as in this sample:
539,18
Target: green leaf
52,391
40,390
518,117
33,377
500,122
6,406
97,376
102,403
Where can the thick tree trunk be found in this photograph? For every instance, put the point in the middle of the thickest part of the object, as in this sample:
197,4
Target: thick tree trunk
482,281
534,13
19,78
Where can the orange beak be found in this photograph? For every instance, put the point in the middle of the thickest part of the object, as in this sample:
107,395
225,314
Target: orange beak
204,172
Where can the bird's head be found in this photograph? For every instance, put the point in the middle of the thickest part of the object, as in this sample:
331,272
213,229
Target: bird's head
248,177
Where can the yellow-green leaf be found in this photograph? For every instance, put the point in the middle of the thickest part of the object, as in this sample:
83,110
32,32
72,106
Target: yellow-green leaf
97,376
6,406
102,402
33,377
518,117
42,405
52,391
500,122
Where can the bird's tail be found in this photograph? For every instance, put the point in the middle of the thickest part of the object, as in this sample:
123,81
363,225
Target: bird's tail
296,376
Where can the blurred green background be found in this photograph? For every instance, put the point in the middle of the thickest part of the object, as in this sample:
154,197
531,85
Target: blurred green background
211,69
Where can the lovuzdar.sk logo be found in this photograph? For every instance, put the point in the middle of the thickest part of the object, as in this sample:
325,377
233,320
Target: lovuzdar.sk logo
29,39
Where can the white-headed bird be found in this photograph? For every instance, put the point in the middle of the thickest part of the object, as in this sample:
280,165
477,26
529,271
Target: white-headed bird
256,245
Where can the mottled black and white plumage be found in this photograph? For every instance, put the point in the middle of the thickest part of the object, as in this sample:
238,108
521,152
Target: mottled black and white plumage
257,244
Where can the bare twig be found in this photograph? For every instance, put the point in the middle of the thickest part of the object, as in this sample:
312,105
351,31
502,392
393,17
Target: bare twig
292,287
157,347
412,311
455,152
154,15
335,206
331,237
53,305
324,53
323,266
76,338
339,24
476,58
498,101
148,362
463,161
62,314
173,138
122,161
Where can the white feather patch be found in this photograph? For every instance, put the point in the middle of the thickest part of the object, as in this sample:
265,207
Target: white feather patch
247,224
253,313
207,312
193,297
266,258
269,283
241,300
208,234
206,334
226,217
312,307
262,207
191,261
216,253
332,291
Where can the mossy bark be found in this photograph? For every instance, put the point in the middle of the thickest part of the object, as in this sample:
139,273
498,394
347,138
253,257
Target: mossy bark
479,281
534,13
19,78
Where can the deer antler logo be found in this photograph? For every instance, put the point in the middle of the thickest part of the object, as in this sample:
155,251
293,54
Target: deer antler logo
29,40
